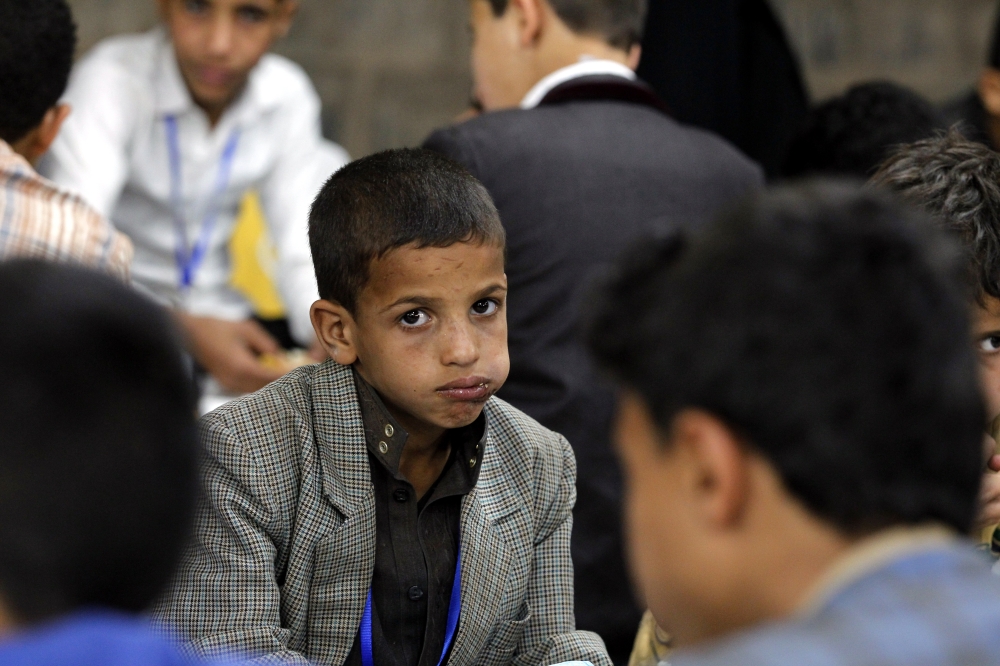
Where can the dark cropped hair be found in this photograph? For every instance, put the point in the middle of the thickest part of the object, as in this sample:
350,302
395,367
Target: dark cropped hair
37,41
620,22
958,181
828,327
98,448
389,200
850,135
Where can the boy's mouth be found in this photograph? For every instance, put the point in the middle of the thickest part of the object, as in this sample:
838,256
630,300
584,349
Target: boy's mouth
469,389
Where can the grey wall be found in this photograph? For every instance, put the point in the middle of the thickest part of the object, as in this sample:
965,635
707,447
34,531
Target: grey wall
389,71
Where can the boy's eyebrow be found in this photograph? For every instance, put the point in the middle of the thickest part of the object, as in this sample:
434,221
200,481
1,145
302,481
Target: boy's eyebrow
425,301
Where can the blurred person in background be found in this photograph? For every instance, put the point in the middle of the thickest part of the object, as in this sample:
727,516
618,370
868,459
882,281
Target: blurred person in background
978,111
97,467
581,158
37,217
801,436
851,135
727,66
170,129
958,181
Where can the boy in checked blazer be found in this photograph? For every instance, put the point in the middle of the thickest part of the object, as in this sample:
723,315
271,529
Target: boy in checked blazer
383,507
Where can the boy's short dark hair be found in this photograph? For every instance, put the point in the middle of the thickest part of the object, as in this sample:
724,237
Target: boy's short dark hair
389,200
850,135
98,461
37,41
958,181
828,327
620,22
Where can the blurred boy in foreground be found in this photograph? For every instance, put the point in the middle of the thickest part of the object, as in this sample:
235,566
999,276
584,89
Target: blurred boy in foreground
170,129
97,468
801,435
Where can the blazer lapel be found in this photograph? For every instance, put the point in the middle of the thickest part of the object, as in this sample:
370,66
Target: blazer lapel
486,558
345,560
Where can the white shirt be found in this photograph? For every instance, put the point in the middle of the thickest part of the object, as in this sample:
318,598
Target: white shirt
113,150
587,66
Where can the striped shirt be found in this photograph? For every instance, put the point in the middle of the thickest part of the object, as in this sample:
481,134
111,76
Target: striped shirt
42,221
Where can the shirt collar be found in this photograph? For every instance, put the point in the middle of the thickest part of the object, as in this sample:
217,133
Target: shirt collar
871,554
587,66
386,438
13,162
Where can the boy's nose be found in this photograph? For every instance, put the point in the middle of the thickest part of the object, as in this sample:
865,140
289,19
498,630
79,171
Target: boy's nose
221,36
460,346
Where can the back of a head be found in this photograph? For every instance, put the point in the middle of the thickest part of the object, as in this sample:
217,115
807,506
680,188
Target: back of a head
37,42
389,200
957,181
98,461
850,135
836,342
619,22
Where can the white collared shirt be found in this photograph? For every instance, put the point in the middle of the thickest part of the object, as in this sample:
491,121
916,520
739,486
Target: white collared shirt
586,67
113,150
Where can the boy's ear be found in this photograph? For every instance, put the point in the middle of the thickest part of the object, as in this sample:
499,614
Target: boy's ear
335,329
717,467
287,10
989,91
38,141
530,20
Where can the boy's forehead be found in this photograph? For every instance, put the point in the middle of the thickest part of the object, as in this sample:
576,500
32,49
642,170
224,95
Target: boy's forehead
454,268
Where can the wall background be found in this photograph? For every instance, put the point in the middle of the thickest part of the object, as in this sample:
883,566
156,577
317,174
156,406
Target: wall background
389,71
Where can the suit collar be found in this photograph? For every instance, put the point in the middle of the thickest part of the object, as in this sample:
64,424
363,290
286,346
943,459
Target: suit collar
605,88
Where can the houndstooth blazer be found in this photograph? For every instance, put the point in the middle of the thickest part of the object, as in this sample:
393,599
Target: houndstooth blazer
285,545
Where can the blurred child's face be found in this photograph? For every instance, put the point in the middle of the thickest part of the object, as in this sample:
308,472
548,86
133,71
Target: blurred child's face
986,331
430,332
501,68
219,42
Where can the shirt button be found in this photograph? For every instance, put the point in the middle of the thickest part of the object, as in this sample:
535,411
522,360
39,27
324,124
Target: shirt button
401,495
383,447
416,594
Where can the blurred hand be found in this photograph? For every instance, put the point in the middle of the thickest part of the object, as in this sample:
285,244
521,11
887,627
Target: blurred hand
229,351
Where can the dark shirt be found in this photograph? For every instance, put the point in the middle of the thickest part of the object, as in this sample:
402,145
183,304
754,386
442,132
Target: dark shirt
416,541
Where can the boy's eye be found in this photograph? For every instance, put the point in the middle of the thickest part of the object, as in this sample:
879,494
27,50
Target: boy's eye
414,318
990,344
485,307
196,6
251,14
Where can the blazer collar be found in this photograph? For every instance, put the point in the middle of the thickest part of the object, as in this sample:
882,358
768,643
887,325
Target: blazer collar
340,437
605,88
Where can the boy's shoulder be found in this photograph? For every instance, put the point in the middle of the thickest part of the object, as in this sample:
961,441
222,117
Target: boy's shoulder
130,55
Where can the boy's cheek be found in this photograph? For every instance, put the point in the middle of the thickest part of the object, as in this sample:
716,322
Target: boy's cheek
989,376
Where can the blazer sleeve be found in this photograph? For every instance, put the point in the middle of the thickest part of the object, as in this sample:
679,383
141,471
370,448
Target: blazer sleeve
550,636
225,599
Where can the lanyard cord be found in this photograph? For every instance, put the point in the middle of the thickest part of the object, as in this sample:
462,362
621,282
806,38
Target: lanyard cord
454,610
188,258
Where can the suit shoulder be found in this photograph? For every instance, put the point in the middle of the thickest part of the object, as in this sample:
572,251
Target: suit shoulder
523,438
267,424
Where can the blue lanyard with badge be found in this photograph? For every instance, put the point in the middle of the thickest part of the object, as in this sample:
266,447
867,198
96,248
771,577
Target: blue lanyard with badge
454,610
189,258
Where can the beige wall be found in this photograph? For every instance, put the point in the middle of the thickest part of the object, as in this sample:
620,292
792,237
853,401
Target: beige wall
389,71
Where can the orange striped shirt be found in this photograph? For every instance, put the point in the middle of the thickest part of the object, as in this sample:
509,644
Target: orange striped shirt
40,220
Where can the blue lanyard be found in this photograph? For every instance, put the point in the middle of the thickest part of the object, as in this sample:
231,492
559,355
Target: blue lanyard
189,259
454,610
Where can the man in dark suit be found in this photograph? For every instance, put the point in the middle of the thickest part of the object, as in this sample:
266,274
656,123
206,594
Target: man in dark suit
581,158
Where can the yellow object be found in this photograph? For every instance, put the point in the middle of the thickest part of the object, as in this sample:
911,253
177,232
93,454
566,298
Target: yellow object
652,644
254,259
